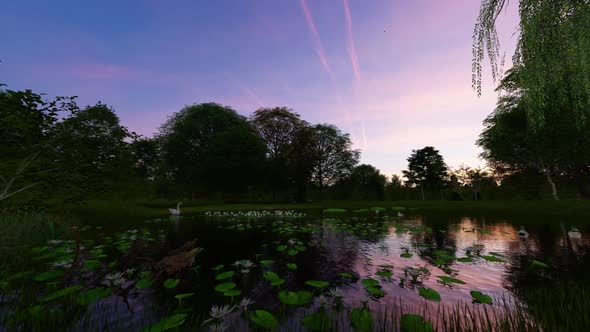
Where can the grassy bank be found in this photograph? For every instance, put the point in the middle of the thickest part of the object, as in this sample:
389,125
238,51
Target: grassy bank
155,208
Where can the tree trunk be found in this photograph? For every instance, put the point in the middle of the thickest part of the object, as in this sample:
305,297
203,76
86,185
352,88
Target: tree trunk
422,191
553,187
581,184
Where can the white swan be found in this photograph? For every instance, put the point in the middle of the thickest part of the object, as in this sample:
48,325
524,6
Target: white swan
175,212
522,233
400,215
574,233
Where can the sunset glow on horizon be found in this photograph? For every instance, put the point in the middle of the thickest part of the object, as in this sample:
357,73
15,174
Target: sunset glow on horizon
394,74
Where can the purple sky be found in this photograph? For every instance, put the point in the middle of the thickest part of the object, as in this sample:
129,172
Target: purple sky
394,74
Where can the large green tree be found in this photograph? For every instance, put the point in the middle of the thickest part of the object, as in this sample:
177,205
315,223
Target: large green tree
281,129
194,141
92,151
558,148
552,48
426,169
333,155
27,151
365,182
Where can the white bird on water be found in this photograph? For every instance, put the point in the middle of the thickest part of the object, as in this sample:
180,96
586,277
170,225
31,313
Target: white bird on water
574,233
400,215
522,233
175,212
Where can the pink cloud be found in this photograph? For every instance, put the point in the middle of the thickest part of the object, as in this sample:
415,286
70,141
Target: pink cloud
319,49
350,43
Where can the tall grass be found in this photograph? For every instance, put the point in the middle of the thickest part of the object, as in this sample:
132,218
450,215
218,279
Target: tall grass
22,230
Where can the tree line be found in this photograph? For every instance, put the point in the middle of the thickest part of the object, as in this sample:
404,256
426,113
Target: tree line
55,152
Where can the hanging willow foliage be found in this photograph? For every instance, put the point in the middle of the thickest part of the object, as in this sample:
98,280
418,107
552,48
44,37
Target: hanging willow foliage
553,52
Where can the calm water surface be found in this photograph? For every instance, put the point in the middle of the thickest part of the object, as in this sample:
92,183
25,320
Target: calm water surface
485,253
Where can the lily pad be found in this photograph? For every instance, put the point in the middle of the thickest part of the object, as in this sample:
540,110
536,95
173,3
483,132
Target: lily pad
292,266
429,294
167,323
492,258
232,293
448,280
369,282
479,297
407,255
375,291
465,259
415,323
171,283
217,267
295,298
225,287
49,275
225,275
274,278
144,283
264,319
183,296
266,262
317,283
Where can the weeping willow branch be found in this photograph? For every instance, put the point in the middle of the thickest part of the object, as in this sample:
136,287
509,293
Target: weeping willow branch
553,48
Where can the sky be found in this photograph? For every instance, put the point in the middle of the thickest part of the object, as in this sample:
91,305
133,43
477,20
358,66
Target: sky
394,74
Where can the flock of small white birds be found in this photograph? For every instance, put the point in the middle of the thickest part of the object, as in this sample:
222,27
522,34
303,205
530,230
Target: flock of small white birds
255,214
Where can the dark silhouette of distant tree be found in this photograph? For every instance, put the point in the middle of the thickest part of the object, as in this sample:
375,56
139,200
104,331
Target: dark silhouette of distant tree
426,169
280,129
194,140
333,156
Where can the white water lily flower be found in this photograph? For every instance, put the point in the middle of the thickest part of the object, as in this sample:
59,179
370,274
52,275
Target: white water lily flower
336,293
244,271
129,271
64,264
322,300
247,263
218,312
114,279
245,302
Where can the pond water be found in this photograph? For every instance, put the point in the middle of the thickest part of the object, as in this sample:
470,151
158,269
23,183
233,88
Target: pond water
307,271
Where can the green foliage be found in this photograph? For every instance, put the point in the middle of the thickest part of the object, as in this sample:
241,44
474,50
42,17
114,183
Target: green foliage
299,298
479,297
448,280
429,294
318,322
317,283
415,323
93,295
426,169
167,323
264,319
332,155
60,293
144,283
274,278
362,319
171,283
225,287
225,275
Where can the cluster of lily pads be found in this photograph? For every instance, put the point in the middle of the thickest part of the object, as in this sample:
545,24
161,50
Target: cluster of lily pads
256,214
